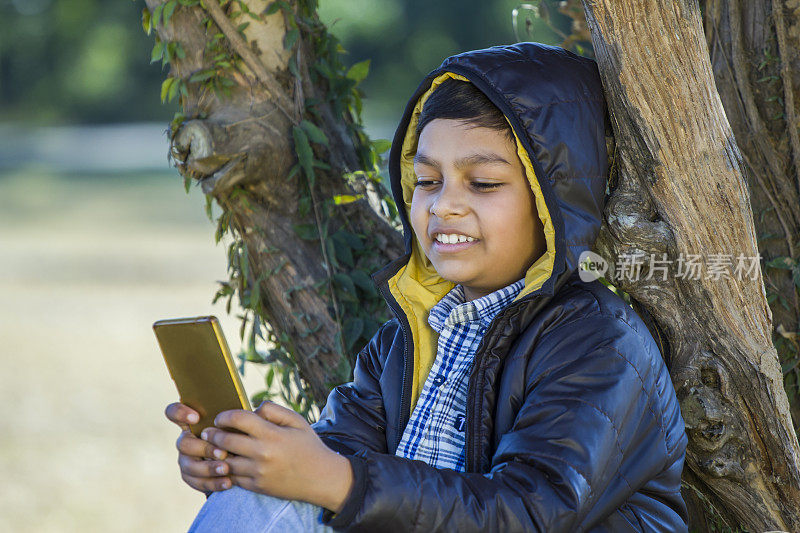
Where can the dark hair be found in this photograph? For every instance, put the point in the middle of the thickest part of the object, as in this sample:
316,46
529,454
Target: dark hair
460,100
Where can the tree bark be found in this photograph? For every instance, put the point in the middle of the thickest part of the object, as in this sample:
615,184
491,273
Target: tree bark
754,55
679,189
239,147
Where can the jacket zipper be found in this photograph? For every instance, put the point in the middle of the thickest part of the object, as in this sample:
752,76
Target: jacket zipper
405,400
473,450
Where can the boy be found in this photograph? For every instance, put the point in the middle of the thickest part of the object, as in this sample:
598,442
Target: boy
507,394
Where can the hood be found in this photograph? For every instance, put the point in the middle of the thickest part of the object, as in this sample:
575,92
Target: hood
553,100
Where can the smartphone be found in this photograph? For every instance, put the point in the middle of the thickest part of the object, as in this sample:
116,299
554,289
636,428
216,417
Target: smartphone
200,364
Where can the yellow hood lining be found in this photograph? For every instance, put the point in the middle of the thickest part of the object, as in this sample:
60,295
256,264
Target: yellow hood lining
417,286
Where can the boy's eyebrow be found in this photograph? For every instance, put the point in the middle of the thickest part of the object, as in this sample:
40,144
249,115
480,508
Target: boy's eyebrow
464,162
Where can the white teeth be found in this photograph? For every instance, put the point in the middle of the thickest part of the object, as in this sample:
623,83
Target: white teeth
453,238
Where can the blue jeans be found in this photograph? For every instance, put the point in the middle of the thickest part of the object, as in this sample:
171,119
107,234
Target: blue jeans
239,510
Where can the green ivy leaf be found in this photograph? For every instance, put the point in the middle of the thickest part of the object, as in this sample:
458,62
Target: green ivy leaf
293,171
307,232
293,67
381,145
304,153
331,252
357,105
362,281
314,133
303,206
352,329
209,208
168,50
146,21
179,51
784,263
158,52
390,207
325,70
343,251
157,14
166,86
291,38
783,301
272,8
202,75
178,117
169,9
344,199
789,365
173,89
259,397
358,71
345,283
353,240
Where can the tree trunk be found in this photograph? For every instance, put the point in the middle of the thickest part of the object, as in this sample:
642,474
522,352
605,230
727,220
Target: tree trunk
236,139
754,55
679,189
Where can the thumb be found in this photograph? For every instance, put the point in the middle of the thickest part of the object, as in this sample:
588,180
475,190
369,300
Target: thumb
280,416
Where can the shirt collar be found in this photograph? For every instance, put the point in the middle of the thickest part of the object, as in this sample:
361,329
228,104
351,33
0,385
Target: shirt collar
452,309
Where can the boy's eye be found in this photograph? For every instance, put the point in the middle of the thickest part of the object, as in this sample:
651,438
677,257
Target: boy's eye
486,185
424,182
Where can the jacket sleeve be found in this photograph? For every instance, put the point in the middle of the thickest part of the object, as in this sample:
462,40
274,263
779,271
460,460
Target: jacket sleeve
590,408
354,418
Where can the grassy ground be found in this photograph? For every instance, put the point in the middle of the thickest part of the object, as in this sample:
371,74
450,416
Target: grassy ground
87,264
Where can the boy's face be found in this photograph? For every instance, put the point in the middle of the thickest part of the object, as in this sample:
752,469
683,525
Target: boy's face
471,188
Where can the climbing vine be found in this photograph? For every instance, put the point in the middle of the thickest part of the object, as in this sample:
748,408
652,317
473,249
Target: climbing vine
349,256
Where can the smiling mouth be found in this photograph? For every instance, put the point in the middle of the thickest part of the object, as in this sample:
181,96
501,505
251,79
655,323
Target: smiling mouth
452,243
452,238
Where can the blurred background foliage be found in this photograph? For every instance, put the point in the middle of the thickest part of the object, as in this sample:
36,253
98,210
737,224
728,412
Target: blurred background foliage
88,61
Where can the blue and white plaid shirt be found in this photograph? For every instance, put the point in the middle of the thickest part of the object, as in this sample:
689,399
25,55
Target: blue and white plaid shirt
435,433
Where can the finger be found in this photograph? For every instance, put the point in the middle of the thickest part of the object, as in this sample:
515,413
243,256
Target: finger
181,414
201,468
241,466
245,482
232,442
188,444
208,484
245,421
280,416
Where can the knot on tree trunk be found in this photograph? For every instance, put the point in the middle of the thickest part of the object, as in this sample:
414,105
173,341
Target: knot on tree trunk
223,151
705,396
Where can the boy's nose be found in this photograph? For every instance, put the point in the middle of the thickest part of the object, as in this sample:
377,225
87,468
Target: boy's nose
449,202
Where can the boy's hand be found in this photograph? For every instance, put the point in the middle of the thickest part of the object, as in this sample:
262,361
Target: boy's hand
199,461
281,455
